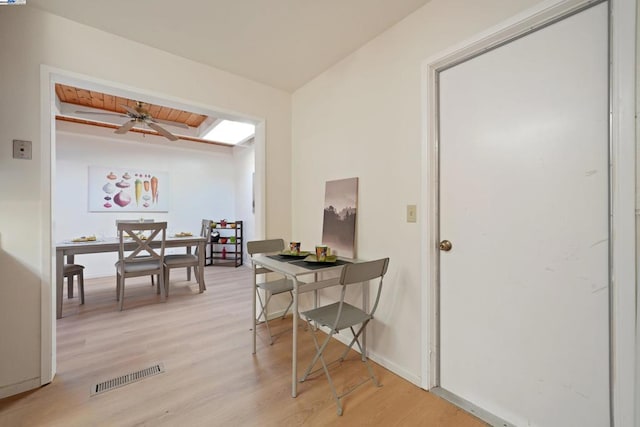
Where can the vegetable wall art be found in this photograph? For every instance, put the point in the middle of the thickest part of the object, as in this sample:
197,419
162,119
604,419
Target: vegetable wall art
131,190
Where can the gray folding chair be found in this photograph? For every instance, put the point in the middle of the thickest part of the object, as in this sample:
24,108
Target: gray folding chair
273,287
143,260
341,315
187,260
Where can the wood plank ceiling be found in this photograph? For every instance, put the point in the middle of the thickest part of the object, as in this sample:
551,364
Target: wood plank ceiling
113,104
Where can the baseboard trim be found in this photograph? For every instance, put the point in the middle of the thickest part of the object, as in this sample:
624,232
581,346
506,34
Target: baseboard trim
396,369
17,388
471,408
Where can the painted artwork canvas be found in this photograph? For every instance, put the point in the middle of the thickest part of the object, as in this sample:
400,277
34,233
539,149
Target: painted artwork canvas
127,190
339,225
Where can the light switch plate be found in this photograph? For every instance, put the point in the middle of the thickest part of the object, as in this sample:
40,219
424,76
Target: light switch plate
21,149
412,213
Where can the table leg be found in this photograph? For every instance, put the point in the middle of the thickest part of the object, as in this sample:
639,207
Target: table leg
70,260
253,305
189,268
201,252
294,355
315,291
59,281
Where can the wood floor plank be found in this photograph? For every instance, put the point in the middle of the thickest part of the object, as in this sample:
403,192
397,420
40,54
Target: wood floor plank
211,378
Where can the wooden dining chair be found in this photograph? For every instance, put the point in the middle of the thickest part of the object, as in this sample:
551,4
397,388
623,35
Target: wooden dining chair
143,260
187,260
342,315
69,272
135,221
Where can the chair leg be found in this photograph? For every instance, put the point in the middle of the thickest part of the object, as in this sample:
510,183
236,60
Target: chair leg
166,282
117,286
262,307
289,306
201,285
253,315
152,280
320,355
70,286
81,287
365,359
121,291
354,340
264,312
319,351
163,285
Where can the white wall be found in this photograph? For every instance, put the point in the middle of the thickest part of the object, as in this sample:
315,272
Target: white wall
202,184
362,118
36,39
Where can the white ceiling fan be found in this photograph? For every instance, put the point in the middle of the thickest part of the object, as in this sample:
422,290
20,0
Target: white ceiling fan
139,114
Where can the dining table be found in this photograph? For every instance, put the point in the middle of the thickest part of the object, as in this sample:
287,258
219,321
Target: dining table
297,269
68,249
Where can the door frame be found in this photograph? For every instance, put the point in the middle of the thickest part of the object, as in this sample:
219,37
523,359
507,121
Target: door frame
49,76
622,202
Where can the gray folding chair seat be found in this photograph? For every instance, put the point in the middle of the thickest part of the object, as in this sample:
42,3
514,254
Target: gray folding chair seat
187,260
341,315
326,315
270,288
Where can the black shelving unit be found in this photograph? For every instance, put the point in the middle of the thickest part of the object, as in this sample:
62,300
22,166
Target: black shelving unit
226,249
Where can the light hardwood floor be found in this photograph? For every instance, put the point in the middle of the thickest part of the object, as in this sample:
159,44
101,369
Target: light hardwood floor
211,378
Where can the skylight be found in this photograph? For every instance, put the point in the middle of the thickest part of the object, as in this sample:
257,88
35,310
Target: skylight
231,132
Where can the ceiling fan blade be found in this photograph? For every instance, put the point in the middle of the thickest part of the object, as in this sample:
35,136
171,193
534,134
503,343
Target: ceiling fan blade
169,122
130,110
125,127
162,131
101,114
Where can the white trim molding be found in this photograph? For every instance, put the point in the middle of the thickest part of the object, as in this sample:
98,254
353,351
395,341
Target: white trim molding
623,222
17,388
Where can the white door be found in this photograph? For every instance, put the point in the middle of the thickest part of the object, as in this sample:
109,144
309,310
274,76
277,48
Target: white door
524,311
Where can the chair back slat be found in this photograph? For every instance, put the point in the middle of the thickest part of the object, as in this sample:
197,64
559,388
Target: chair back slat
132,230
363,271
265,246
205,231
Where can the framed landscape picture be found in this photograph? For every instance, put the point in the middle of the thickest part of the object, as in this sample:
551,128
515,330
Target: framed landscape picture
340,209
128,190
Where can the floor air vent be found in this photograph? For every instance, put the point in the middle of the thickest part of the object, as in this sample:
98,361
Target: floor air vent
127,379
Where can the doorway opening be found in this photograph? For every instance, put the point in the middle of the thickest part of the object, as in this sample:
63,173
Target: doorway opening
242,172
